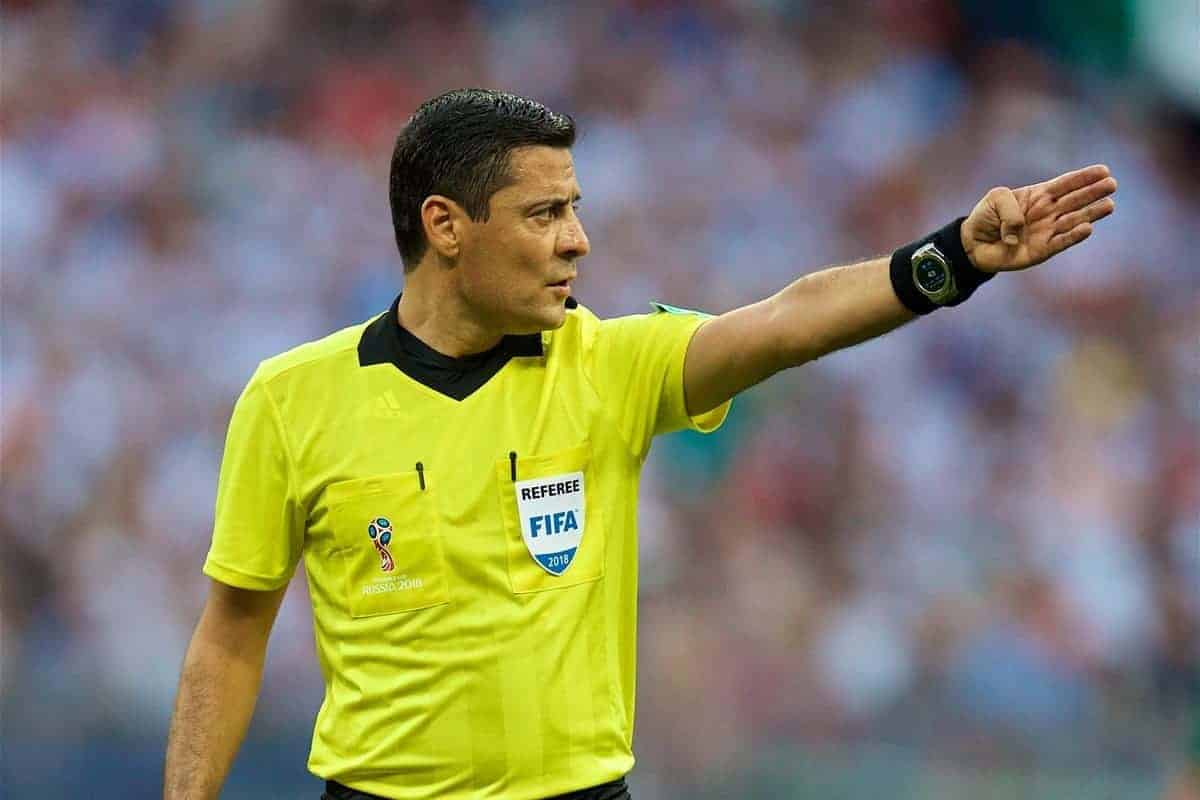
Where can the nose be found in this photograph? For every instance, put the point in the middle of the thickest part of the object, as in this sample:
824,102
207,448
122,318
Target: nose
572,241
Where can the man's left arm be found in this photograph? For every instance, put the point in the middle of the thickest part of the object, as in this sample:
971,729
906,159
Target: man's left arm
1008,230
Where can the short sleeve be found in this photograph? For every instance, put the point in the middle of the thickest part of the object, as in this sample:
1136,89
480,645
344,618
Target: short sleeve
258,532
638,369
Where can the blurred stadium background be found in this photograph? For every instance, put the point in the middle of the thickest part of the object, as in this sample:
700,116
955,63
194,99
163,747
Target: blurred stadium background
959,561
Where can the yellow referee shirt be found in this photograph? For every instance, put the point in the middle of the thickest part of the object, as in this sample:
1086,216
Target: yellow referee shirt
472,563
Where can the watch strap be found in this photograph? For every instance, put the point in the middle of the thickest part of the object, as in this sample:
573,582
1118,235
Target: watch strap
966,277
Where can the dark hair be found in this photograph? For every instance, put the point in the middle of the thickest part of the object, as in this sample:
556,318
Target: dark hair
458,144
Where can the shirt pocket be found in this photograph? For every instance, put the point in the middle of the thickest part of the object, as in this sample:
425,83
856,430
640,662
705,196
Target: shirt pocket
553,526
387,544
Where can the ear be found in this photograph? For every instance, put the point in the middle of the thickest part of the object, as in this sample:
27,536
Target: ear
445,224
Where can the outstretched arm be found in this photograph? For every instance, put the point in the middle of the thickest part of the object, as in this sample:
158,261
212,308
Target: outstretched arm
1008,230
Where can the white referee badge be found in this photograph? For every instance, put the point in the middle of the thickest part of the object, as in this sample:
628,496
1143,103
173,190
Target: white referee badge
551,512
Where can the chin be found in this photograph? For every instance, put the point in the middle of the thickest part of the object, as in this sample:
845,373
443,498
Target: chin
548,318
551,318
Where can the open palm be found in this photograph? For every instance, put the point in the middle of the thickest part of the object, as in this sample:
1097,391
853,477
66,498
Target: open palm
1015,229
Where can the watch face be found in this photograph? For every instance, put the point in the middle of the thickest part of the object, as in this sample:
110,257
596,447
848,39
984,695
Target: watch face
932,275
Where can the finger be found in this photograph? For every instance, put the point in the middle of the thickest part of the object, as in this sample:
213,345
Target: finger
1077,179
1097,210
1012,221
1088,194
1072,237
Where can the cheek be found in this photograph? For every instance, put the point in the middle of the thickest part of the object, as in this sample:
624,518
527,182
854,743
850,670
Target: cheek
509,270
524,261
501,279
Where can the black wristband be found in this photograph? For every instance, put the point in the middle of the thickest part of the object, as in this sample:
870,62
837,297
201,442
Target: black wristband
966,277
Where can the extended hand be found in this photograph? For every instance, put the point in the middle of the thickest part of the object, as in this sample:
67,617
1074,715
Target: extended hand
1014,229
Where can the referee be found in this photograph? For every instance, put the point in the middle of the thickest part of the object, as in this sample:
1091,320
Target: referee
460,472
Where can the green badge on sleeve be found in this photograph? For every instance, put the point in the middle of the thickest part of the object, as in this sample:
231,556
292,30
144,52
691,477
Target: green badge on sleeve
668,309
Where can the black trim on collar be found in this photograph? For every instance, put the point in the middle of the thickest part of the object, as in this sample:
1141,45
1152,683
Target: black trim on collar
384,341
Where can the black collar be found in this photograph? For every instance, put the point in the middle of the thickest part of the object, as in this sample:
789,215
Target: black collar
384,341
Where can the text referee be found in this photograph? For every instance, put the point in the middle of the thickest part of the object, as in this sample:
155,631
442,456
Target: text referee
460,473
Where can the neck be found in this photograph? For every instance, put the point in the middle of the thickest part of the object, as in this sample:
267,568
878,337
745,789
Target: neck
435,313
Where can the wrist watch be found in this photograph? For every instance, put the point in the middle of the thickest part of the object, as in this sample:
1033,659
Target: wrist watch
933,275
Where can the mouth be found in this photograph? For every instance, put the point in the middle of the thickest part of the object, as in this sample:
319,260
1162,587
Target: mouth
564,285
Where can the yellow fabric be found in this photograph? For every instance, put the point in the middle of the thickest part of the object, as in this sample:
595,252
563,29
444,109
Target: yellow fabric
466,670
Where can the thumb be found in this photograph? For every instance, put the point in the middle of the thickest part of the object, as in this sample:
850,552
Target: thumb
1012,221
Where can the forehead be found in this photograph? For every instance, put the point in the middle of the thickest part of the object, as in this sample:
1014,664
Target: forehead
539,170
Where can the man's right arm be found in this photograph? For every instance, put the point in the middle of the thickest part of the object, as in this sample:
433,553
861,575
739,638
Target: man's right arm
218,689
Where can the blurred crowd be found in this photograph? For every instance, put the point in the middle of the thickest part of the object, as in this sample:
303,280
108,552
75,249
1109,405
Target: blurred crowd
977,537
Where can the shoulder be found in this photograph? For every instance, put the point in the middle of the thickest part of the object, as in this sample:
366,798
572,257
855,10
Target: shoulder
320,355
584,327
658,324
574,336
594,343
580,326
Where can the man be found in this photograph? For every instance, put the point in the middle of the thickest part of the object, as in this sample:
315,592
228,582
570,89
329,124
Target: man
460,473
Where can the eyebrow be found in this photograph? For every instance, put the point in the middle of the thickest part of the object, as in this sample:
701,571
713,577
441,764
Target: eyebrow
554,200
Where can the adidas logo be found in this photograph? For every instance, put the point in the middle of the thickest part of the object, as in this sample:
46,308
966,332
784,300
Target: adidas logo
386,405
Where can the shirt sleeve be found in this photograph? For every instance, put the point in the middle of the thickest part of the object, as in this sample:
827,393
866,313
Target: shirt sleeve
638,369
258,532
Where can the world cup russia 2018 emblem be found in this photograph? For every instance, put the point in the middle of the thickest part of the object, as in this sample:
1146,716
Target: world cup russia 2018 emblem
380,531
